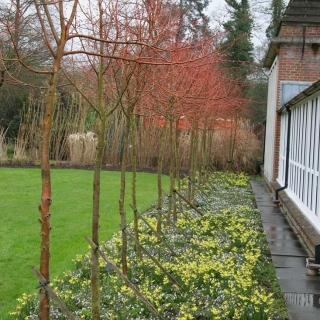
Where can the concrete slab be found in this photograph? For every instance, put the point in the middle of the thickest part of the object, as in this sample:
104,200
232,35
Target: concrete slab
307,300
285,243
276,220
292,273
302,305
303,313
256,182
289,262
268,224
270,210
301,292
280,236
263,197
279,228
301,285
265,203
288,251
259,189
266,215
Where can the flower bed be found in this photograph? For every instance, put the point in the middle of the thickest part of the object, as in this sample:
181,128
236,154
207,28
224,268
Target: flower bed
222,263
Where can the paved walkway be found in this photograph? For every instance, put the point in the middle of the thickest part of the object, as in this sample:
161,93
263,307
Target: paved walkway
301,292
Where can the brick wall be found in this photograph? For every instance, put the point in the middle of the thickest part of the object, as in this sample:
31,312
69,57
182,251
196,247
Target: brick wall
296,31
296,63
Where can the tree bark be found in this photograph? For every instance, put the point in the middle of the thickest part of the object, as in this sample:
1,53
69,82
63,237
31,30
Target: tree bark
122,211
172,170
160,164
95,295
195,160
44,207
191,158
134,182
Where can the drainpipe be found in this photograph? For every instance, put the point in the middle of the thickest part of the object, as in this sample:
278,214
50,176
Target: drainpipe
276,200
264,142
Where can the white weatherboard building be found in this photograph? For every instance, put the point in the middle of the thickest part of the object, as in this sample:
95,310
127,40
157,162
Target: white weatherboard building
292,152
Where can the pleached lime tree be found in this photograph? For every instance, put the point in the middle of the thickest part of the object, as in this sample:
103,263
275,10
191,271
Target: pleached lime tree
122,37
169,89
128,103
62,36
55,32
93,77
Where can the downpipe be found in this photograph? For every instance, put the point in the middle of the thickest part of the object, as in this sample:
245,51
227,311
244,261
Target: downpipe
264,143
276,200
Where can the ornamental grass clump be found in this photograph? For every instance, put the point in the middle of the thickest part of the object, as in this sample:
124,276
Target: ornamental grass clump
3,145
82,148
221,265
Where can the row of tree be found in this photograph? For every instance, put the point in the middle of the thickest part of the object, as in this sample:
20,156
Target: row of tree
240,22
147,58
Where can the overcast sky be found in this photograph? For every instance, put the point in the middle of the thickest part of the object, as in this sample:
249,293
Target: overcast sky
217,11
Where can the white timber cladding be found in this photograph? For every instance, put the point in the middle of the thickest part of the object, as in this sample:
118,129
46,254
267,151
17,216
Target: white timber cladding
271,120
304,157
283,148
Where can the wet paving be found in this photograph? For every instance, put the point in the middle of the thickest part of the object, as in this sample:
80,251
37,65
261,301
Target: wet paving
301,291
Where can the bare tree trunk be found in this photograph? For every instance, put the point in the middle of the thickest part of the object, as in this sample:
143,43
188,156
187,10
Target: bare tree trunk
195,160
44,207
134,181
233,135
160,164
95,296
190,169
46,125
203,160
176,168
172,170
208,148
122,194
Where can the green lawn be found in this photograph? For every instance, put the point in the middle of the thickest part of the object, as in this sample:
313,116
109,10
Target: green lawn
20,192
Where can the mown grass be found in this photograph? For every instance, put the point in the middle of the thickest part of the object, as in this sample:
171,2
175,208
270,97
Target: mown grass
20,192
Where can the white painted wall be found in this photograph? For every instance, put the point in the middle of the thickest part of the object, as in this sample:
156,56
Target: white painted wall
271,120
283,148
304,160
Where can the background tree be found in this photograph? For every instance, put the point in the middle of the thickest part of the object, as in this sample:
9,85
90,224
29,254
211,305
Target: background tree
193,21
258,90
238,44
22,38
276,7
